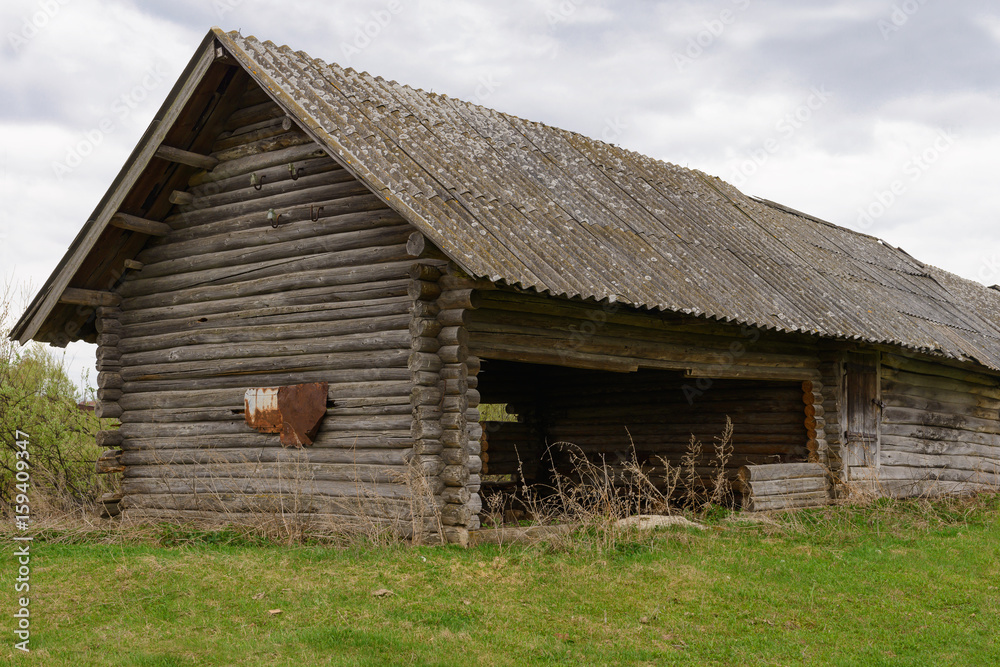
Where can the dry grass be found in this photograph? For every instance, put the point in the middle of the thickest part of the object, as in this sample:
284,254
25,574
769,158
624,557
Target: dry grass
598,496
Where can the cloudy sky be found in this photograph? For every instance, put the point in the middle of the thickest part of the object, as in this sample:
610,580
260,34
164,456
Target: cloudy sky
880,115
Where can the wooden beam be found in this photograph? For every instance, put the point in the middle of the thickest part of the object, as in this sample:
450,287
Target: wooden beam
133,264
141,225
89,297
198,160
181,198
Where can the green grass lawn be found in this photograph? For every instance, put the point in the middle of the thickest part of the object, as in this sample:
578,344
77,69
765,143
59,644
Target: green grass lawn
909,583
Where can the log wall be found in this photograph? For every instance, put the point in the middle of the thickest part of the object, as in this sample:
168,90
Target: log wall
302,280
940,430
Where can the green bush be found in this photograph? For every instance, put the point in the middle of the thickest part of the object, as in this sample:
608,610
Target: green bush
37,397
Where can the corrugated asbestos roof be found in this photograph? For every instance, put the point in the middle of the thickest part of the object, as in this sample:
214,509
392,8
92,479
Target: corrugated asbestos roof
542,208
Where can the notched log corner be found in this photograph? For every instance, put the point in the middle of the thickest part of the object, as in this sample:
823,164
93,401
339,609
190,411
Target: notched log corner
295,411
109,462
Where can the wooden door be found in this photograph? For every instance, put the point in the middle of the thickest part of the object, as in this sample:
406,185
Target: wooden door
862,407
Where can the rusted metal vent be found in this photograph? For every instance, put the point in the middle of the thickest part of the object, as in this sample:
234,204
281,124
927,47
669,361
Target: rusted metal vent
294,411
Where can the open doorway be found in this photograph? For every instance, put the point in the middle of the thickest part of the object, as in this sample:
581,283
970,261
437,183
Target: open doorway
538,419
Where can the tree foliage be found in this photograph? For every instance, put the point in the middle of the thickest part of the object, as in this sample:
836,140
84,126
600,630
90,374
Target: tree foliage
38,397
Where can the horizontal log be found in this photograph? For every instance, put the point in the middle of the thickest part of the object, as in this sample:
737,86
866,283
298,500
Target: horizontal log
111,438
253,455
454,317
727,371
783,487
938,382
342,269
348,441
293,205
291,490
899,391
303,472
638,323
86,297
456,515
609,338
336,337
294,137
108,325
943,448
244,166
109,462
425,271
263,110
374,333
188,158
455,475
422,290
141,225
950,461
208,393
353,361
917,474
752,474
895,415
180,198
965,408
940,369
193,270
231,323
935,433
256,131
792,501
459,299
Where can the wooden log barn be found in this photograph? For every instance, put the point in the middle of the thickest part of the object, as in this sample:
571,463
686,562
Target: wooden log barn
304,267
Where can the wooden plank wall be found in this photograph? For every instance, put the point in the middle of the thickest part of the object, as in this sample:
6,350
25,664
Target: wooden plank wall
940,430
231,299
